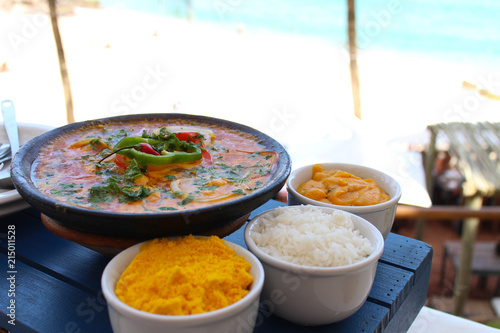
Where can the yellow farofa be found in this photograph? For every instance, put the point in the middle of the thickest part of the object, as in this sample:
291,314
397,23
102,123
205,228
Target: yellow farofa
186,276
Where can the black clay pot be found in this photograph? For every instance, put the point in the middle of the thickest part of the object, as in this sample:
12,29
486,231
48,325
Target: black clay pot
145,224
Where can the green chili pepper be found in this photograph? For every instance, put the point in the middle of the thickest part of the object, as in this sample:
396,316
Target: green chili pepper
172,150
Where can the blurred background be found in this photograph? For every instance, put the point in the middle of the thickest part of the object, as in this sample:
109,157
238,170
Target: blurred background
281,67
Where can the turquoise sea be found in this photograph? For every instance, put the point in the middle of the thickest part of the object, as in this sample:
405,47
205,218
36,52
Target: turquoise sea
464,31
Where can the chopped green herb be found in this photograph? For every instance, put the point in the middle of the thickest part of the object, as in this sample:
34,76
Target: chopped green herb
239,191
95,142
187,200
66,189
114,187
128,194
262,171
167,208
99,193
258,184
133,171
209,187
179,194
103,153
122,133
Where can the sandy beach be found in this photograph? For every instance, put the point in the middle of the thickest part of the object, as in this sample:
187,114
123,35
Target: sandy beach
123,62
297,89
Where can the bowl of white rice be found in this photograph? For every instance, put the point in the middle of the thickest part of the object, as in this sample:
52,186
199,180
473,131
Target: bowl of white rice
319,262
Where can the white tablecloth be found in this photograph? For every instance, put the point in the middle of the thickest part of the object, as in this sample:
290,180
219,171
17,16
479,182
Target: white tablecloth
434,321
352,142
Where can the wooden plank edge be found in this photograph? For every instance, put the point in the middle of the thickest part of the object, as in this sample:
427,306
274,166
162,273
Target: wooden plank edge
35,294
391,287
447,212
408,311
406,253
46,263
370,317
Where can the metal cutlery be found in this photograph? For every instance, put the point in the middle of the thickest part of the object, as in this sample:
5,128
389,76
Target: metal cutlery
6,158
4,150
5,154
10,123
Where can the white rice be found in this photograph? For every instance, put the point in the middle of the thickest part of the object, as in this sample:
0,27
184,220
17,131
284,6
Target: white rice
311,237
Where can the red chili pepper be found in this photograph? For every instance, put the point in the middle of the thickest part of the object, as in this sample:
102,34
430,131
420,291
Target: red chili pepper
195,138
146,148
206,155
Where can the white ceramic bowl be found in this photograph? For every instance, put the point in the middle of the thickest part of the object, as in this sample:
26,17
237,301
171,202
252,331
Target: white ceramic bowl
308,295
381,215
237,317
10,200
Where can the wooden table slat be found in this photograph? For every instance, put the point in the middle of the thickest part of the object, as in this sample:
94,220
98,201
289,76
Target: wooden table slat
265,207
392,286
369,318
54,255
403,318
67,276
405,252
46,304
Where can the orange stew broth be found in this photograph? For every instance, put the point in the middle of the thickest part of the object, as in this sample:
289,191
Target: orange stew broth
68,168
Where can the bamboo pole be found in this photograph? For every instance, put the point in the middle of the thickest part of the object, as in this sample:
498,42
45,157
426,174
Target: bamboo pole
447,212
429,161
70,118
353,62
469,234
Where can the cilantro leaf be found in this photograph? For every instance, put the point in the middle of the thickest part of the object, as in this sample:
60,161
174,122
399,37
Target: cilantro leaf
66,189
133,171
99,193
187,200
128,194
239,191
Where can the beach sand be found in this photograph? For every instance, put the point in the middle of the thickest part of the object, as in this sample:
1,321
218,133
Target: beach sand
297,89
123,62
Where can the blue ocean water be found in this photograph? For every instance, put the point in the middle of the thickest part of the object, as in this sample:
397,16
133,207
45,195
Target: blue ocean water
466,31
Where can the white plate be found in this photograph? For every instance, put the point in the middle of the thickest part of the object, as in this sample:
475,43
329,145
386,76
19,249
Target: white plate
10,200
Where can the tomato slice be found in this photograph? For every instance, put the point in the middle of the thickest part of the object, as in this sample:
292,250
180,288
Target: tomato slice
195,137
189,137
121,161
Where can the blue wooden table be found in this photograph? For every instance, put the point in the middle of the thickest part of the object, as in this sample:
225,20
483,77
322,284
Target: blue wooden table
54,284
